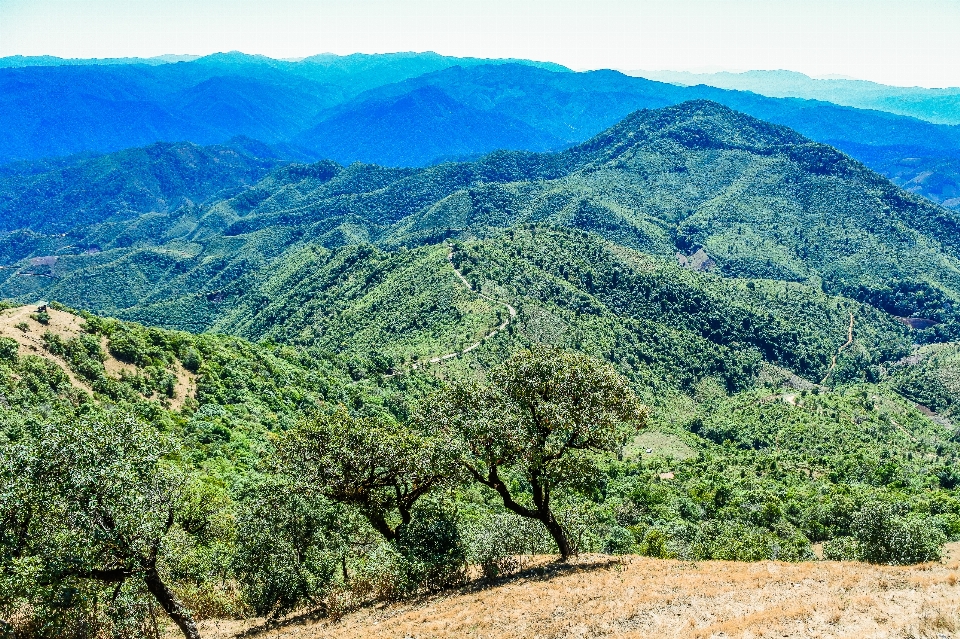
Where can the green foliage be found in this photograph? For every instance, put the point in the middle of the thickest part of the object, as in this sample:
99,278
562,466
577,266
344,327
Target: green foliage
86,507
8,349
42,317
543,418
884,537
284,558
842,549
433,551
653,543
370,463
497,540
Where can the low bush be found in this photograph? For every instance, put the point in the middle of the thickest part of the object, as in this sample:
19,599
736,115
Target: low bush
433,551
884,537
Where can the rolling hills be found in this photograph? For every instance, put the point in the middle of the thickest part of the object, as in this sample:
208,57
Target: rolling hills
397,109
783,313
762,201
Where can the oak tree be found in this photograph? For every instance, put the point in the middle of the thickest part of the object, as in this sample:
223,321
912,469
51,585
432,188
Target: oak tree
543,417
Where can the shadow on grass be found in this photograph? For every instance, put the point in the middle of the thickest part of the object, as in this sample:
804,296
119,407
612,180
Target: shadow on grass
541,572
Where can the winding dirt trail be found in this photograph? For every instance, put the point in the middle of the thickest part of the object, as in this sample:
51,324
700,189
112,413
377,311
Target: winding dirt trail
502,327
847,344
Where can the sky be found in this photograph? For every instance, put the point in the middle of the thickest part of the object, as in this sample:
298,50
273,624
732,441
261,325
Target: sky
900,42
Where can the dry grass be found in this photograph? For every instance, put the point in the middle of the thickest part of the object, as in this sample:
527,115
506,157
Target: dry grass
30,342
639,597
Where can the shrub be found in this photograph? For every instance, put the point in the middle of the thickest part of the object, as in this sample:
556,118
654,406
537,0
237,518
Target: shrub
42,317
842,549
433,551
619,541
497,541
282,557
738,541
191,359
8,349
654,544
886,538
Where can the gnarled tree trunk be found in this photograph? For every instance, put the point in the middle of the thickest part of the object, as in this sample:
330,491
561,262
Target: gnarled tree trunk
170,603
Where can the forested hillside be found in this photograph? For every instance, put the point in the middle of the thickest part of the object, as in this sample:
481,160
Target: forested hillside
156,179
761,201
397,109
297,387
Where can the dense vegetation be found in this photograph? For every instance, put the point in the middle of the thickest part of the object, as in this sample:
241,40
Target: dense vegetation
373,492
696,335
760,200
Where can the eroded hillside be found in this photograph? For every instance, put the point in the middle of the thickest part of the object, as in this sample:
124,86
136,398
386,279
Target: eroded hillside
58,336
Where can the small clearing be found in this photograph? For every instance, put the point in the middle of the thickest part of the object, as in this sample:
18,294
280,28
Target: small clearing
658,443
638,597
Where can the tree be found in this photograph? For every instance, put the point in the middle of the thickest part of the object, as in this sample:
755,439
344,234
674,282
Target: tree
88,502
543,418
287,550
375,465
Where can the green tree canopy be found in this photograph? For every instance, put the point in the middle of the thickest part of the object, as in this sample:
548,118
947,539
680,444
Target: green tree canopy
373,464
85,505
542,418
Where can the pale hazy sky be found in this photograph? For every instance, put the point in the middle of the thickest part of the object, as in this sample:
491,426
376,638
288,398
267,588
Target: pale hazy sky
907,42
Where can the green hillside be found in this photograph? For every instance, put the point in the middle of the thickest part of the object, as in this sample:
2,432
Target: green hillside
760,200
697,335
107,421
658,322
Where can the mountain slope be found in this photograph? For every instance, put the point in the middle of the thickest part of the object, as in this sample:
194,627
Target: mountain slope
418,127
67,109
659,323
63,110
759,199
123,185
575,106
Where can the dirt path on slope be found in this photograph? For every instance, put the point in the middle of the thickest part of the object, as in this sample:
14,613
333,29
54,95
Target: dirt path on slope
502,327
847,344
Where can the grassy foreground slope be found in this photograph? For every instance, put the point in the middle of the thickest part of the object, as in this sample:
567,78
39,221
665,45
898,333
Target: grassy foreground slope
640,598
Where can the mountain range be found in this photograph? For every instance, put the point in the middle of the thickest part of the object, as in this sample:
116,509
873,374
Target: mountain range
410,110
761,200
940,106
248,371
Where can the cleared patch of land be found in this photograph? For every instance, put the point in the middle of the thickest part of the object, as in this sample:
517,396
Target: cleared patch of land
658,443
20,325
599,596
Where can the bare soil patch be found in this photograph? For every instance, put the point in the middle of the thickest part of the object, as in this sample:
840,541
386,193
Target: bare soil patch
30,342
68,326
600,596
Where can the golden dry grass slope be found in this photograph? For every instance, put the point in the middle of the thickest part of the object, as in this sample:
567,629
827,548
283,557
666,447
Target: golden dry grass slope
599,596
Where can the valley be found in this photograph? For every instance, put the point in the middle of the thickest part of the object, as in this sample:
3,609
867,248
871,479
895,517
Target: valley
604,355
